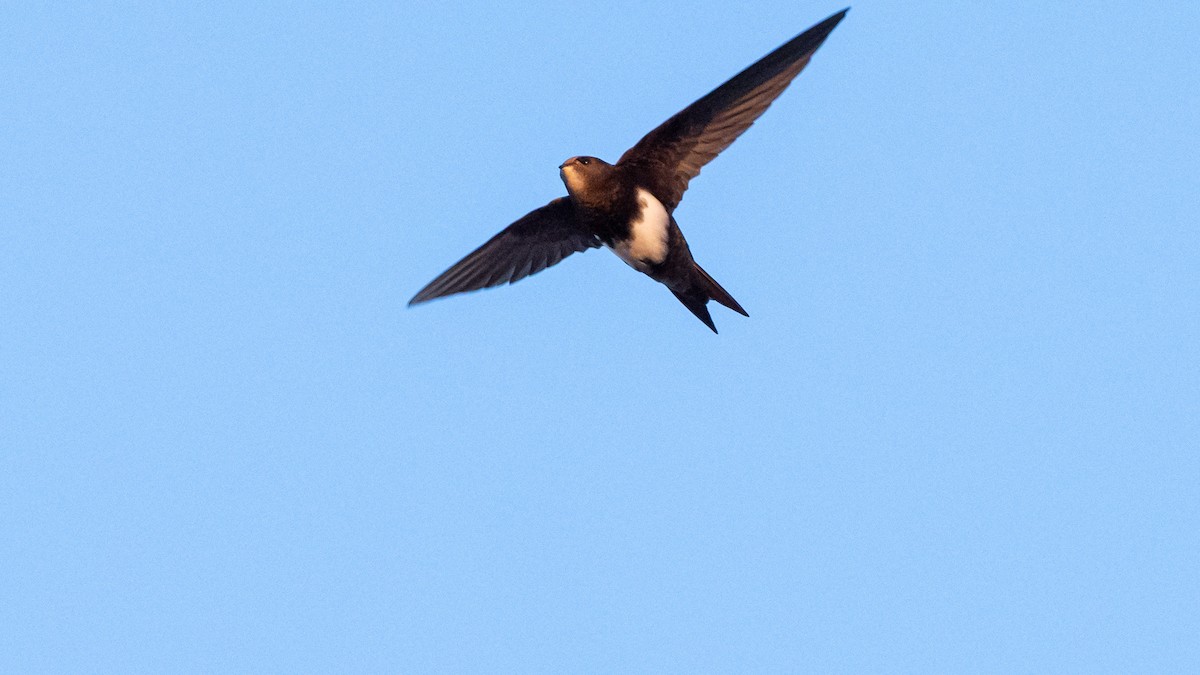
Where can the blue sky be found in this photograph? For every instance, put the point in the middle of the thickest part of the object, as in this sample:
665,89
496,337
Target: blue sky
959,430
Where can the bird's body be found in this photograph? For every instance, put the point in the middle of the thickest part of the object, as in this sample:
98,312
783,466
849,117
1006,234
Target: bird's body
626,217
629,206
646,242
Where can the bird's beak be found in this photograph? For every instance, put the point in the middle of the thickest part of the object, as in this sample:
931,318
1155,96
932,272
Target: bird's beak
563,165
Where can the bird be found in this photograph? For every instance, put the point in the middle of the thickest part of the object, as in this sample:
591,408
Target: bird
629,206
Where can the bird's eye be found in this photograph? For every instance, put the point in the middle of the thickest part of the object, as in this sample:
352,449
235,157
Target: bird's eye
585,161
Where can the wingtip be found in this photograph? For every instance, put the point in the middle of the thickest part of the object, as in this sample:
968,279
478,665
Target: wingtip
830,23
425,295
811,40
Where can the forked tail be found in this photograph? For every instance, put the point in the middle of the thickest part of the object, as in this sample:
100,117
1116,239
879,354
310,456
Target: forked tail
702,289
714,291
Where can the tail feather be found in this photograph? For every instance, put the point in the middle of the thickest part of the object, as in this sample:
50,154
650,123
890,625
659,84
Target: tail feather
702,289
698,304
711,288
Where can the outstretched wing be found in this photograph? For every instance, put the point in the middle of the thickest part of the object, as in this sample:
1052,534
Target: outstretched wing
540,239
671,155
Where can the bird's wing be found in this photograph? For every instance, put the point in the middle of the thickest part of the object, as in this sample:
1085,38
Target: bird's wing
540,239
671,155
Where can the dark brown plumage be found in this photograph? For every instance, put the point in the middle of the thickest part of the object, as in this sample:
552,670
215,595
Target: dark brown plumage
541,239
628,206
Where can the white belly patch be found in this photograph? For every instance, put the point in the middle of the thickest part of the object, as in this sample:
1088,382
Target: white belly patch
647,242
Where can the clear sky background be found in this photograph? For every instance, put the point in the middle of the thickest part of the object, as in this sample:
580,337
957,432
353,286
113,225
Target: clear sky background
959,430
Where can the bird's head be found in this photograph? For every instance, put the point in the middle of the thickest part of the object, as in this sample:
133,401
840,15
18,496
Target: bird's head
584,176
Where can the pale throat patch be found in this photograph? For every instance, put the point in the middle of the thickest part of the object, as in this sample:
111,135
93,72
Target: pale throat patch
571,178
647,242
